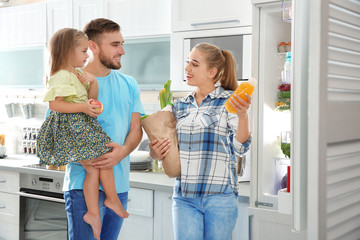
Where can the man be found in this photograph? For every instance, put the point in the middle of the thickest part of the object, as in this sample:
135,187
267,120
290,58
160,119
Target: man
120,119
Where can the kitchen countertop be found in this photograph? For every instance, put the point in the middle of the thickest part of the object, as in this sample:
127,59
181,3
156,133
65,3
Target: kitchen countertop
138,178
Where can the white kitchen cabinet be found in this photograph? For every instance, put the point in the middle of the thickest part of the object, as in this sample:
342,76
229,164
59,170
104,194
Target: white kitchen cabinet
139,17
59,15
241,230
23,25
9,205
139,225
84,11
187,15
163,227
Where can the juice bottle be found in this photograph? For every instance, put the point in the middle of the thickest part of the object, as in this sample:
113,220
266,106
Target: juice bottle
245,87
287,69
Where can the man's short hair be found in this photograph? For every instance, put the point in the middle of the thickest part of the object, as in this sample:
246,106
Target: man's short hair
99,26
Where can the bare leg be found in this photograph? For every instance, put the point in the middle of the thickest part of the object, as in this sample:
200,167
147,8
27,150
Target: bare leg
112,200
91,194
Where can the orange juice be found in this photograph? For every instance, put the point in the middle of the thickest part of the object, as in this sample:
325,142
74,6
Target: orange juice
2,139
245,87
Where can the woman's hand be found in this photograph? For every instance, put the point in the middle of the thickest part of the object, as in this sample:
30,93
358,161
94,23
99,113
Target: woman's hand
87,77
90,109
159,148
240,105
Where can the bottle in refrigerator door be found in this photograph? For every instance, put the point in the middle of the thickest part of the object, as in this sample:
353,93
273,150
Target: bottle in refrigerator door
244,87
287,78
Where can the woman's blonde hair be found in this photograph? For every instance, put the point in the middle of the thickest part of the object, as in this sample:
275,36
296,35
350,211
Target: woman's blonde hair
224,61
60,46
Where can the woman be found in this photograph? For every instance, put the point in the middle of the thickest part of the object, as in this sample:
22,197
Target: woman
205,195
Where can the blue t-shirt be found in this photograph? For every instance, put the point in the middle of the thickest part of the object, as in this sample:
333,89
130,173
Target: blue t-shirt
120,96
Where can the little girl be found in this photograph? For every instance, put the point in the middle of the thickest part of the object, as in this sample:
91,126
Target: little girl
71,131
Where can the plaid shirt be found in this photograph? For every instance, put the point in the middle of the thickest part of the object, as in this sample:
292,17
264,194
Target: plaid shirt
207,144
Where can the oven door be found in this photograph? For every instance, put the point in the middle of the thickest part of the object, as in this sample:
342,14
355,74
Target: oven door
42,215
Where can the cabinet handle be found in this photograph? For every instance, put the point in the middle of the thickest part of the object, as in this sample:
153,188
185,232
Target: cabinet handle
2,181
2,206
250,226
215,22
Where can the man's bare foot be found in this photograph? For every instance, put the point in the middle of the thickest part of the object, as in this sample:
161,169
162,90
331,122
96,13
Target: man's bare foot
117,208
94,222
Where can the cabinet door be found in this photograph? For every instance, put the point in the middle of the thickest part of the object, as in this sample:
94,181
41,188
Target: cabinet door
139,17
241,230
85,11
194,15
23,25
9,231
139,225
9,208
163,227
9,181
59,15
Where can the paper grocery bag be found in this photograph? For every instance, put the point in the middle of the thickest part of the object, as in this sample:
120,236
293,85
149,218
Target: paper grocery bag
160,125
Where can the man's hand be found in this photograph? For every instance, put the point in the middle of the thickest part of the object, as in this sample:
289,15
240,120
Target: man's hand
110,159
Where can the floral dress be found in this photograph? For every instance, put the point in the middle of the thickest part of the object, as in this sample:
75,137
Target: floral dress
69,137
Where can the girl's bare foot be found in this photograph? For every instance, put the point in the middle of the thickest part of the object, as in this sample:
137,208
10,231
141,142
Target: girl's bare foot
117,208
94,222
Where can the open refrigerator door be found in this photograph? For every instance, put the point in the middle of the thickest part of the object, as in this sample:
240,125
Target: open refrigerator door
277,172
273,115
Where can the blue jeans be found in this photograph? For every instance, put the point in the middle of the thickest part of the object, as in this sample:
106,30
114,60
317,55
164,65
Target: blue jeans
75,207
210,217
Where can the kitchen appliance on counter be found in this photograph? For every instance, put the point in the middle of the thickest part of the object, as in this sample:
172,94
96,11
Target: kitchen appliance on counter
42,207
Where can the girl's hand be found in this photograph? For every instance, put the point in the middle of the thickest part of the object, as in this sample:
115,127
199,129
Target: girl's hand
159,148
86,77
240,105
90,109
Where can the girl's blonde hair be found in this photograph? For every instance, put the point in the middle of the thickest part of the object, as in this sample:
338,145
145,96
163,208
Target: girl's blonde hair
60,46
224,61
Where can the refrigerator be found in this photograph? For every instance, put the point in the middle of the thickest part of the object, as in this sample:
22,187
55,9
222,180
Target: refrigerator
279,123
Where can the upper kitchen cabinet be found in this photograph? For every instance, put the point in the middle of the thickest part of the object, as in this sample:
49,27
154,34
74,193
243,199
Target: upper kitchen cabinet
23,25
85,11
139,18
59,15
190,15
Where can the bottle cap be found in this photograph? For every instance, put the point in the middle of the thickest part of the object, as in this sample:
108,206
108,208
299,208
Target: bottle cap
252,81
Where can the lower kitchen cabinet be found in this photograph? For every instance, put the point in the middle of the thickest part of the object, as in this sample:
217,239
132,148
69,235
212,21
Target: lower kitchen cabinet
9,205
9,231
140,223
241,230
137,228
163,227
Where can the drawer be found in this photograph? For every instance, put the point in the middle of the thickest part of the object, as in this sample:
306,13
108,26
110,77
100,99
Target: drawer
141,202
9,231
9,181
9,208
